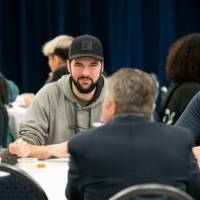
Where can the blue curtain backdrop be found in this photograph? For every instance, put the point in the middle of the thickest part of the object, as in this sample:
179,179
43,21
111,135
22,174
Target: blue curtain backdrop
134,33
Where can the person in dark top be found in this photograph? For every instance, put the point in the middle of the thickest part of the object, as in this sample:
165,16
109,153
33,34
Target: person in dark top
57,52
190,119
183,71
13,89
3,112
130,148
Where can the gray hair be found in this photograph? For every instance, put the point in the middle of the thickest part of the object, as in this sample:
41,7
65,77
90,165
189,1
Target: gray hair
134,91
60,42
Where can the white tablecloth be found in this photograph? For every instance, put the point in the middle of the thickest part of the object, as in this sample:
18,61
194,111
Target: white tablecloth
52,178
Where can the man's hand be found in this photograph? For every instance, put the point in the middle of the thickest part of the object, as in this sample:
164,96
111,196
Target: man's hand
19,148
24,150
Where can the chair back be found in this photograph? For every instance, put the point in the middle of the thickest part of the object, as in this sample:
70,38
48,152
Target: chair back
17,184
151,192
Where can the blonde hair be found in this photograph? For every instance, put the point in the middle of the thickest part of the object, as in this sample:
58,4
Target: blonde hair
61,42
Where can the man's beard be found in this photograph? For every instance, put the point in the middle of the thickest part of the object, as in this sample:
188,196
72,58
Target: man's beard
82,89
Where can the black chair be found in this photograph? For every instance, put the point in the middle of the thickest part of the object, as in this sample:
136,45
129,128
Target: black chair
16,184
151,192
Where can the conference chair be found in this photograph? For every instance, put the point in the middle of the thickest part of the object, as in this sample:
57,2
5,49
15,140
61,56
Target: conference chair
16,184
151,192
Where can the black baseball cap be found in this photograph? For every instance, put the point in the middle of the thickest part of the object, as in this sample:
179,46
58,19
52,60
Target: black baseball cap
86,45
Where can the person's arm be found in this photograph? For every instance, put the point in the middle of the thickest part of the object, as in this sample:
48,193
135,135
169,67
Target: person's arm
190,118
21,148
45,152
35,127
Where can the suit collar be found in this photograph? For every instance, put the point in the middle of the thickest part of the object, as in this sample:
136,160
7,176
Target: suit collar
124,118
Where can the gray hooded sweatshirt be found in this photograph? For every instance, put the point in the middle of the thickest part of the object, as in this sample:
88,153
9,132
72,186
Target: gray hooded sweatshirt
56,113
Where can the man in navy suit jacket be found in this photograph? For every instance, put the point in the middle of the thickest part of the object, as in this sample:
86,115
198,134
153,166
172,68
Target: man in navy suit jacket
130,148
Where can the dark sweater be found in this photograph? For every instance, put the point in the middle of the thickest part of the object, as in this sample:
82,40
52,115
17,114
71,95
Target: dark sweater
176,100
191,117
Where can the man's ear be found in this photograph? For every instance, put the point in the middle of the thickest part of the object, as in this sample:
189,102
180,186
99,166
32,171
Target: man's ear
68,66
56,59
153,109
102,67
114,107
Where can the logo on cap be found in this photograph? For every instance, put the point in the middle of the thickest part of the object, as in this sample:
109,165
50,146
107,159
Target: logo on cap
86,45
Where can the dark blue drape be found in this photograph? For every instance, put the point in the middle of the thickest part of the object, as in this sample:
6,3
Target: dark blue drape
135,33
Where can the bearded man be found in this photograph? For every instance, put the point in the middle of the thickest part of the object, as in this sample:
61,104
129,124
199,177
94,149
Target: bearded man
63,108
